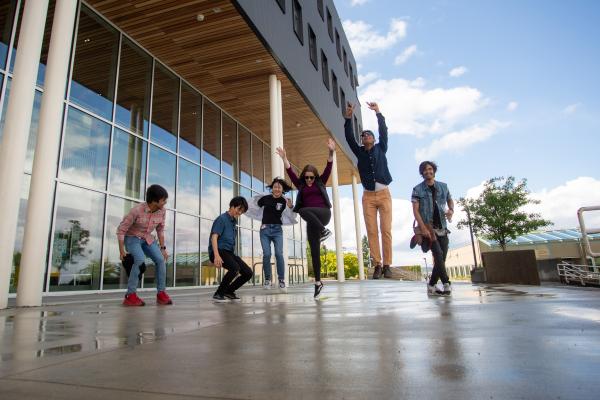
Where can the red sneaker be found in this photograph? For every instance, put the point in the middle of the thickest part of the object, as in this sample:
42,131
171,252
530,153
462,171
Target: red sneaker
132,300
163,298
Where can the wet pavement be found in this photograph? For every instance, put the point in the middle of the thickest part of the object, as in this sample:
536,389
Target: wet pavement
362,340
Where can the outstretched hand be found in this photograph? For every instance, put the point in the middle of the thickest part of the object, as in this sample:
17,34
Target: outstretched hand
349,110
281,152
331,145
373,106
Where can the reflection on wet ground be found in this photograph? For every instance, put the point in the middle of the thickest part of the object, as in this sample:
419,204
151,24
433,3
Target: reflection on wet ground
361,340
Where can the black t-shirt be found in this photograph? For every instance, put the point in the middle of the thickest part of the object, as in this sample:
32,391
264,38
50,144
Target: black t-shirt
272,208
437,223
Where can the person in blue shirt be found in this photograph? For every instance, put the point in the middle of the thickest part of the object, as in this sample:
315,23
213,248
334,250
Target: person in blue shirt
221,249
375,178
429,200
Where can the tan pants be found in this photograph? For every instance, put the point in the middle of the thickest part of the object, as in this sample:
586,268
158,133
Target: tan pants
373,202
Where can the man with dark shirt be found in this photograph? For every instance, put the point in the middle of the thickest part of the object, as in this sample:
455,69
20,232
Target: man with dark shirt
375,178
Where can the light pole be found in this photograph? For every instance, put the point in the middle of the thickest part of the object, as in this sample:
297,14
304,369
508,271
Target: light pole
471,231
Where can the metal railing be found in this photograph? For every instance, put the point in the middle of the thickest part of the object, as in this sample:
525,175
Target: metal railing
295,271
585,232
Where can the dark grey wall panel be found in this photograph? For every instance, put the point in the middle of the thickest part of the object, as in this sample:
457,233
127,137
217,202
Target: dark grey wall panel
276,30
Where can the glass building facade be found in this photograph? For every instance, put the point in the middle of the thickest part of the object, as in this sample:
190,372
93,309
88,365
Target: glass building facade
130,122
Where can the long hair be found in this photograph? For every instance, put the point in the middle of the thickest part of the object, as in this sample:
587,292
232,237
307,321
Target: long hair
309,168
286,187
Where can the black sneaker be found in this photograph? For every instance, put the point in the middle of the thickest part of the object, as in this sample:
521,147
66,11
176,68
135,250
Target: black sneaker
219,298
377,272
318,288
325,234
232,296
387,272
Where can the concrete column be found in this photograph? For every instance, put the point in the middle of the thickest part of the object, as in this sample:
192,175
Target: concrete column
280,168
274,120
16,132
359,253
336,221
39,206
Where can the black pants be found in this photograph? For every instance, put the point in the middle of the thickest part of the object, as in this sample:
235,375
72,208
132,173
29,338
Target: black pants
439,249
234,266
316,218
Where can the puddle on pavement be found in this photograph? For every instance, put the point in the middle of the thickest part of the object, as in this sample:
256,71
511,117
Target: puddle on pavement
490,291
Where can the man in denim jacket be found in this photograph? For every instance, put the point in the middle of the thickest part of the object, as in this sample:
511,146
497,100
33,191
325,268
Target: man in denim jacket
429,200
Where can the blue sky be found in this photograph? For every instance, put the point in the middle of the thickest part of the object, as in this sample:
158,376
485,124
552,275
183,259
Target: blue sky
484,88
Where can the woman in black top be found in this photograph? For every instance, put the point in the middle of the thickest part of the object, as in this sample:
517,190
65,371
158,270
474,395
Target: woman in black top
271,230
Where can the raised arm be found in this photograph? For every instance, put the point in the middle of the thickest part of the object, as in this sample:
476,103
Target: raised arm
288,167
383,131
327,171
348,129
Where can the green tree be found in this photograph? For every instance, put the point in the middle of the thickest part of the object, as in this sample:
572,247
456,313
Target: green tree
497,213
366,251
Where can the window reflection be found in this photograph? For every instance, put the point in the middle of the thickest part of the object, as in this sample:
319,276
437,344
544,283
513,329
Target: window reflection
7,14
150,275
188,187
245,154
161,170
244,220
77,240
211,205
245,246
114,276
187,253
165,107
211,151
209,271
14,277
85,154
133,93
95,64
229,165
257,165
128,167
227,193
190,123
267,155
257,257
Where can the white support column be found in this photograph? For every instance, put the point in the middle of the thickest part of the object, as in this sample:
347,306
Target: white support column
16,133
280,168
39,206
274,119
336,221
359,253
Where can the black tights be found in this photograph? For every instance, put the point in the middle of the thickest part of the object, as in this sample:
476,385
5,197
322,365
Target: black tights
316,218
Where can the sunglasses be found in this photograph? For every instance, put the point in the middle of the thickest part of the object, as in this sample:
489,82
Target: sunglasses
365,134
309,177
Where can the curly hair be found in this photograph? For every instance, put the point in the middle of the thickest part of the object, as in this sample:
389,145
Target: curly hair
424,165
285,186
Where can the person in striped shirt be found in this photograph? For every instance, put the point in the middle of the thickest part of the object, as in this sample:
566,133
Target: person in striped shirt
136,238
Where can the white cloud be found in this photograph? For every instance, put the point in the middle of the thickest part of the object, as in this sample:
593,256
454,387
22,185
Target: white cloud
571,108
364,38
367,78
458,71
512,106
459,140
354,3
405,55
411,108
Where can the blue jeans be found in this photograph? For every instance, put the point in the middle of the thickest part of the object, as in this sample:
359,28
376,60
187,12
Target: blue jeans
139,249
272,233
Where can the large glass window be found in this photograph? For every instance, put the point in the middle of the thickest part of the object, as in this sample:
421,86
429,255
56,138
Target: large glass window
187,251
297,16
128,166
190,123
114,276
209,274
229,165
245,155
268,172
257,257
211,203
165,108
94,70
211,146
7,15
150,275
245,246
188,187
14,277
76,249
258,167
245,221
133,93
85,154
227,193
161,170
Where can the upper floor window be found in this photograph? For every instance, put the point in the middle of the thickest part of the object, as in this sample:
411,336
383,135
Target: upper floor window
298,21
312,47
281,5
334,89
345,60
325,69
351,76
343,98
329,24
320,8
338,46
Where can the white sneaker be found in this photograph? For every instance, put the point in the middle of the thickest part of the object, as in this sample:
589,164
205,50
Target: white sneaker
433,291
267,284
282,285
447,289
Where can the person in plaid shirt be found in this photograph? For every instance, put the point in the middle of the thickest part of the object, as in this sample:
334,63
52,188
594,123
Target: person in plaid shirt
135,238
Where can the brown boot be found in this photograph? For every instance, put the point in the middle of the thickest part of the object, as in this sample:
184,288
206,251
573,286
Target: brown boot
377,272
387,272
